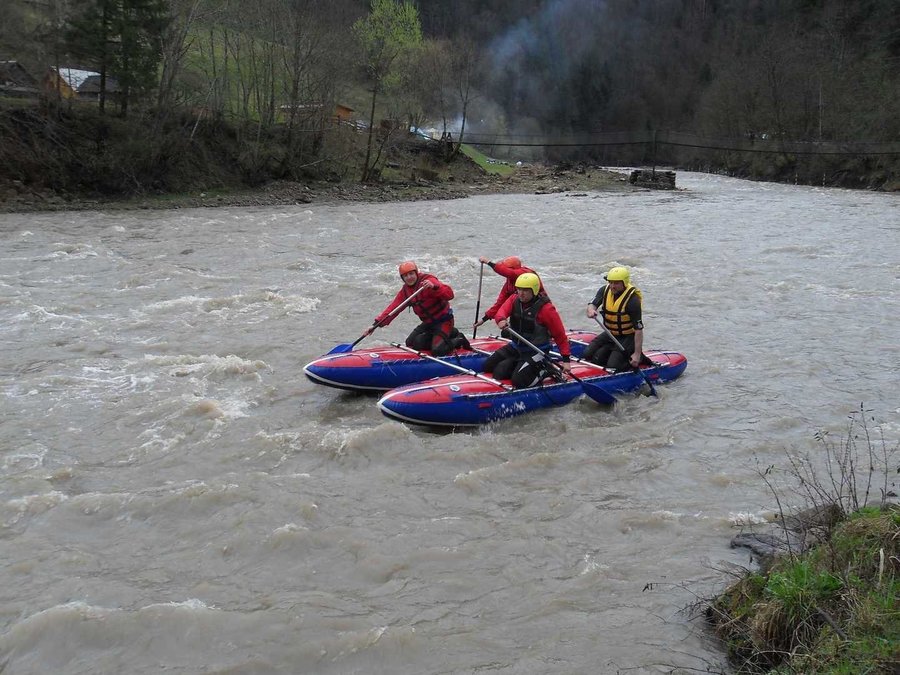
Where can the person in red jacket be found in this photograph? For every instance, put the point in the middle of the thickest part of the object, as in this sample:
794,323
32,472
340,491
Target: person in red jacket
533,316
436,332
510,268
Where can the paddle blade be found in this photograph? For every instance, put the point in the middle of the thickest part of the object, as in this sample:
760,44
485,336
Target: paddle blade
598,394
343,349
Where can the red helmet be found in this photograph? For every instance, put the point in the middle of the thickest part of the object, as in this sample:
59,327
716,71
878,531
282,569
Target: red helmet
408,266
512,261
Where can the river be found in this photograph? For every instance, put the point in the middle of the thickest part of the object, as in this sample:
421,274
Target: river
176,497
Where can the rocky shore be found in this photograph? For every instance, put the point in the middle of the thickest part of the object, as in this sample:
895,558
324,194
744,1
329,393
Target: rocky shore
527,179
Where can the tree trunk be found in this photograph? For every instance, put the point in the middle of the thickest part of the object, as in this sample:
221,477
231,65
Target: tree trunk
365,173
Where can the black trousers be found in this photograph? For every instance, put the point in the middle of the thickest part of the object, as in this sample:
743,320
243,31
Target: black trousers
438,338
521,368
603,351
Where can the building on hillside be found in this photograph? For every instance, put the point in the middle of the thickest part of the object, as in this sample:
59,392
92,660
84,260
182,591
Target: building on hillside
66,80
342,113
74,83
90,88
15,80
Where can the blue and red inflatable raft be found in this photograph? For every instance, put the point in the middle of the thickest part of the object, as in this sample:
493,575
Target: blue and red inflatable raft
384,368
422,389
471,400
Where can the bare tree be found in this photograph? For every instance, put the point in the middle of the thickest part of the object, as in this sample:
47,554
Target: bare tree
387,33
466,66
177,41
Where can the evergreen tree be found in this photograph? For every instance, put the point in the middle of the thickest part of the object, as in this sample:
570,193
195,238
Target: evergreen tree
122,39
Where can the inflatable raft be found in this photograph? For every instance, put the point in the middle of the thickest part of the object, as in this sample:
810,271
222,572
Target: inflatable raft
474,399
385,368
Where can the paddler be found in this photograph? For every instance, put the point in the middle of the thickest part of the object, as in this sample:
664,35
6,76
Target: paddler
619,306
530,314
436,332
510,268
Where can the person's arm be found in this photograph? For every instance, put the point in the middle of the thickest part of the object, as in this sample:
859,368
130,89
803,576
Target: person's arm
594,304
383,319
638,347
502,315
511,273
491,312
549,317
435,288
634,311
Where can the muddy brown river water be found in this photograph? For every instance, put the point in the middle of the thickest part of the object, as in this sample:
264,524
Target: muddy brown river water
175,496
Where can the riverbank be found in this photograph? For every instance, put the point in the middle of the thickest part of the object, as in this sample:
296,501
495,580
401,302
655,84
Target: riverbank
825,596
829,609
462,182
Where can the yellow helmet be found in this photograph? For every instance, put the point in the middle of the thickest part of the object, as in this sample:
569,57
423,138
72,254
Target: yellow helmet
529,280
618,274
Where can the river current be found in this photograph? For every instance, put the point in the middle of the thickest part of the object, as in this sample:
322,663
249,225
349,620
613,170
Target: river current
176,497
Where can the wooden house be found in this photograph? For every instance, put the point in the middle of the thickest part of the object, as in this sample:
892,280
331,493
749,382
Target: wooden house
15,80
89,90
66,80
343,113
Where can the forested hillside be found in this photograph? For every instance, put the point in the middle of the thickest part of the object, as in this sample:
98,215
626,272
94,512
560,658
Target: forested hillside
734,85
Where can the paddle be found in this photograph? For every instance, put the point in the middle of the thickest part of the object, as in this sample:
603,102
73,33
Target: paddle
343,348
592,390
627,356
478,304
461,369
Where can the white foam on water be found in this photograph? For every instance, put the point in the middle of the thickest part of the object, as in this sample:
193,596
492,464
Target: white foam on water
206,365
745,518
23,461
591,566
73,251
14,510
175,303
341,442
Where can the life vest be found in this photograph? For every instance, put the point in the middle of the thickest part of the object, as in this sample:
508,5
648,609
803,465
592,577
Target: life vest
427,306
524,321
613,308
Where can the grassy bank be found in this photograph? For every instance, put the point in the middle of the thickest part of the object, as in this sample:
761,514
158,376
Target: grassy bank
833,609
829,602
59,155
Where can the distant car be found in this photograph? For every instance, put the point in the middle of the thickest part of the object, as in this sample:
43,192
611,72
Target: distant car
420,132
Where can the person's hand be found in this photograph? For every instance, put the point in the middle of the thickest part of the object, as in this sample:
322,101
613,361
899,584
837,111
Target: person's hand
635,360
502,323
370,330
591,311
483,260
428,283
478,323
566,366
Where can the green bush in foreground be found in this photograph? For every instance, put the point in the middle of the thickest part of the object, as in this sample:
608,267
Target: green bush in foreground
832,607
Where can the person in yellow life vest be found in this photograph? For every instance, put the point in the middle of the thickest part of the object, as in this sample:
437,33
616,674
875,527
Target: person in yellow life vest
619,305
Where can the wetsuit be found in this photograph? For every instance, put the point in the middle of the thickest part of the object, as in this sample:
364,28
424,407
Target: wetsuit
509,286
538,322
436,332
